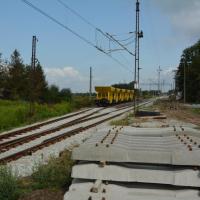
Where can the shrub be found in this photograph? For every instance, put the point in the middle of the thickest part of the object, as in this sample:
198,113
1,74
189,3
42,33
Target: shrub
55,174
8,184
82,101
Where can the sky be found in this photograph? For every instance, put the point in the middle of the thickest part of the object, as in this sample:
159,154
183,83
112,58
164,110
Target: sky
169,27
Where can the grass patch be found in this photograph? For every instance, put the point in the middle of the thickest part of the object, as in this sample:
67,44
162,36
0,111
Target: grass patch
196,111
9,189
126,121
16,113
120,122
53,176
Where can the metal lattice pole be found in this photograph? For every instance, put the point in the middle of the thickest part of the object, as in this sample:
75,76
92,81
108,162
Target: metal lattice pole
33,67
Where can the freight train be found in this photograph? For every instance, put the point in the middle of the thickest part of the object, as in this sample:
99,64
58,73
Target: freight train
107,95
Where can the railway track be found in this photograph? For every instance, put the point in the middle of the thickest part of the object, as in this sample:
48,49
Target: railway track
38,125
34,127
7,145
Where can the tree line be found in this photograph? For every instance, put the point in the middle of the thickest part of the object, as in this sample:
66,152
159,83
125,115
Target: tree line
127,86
190,65
19,81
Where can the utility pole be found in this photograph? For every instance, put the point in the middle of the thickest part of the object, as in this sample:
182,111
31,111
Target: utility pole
90,88
138,35
163,86
159,71
33,67
184,82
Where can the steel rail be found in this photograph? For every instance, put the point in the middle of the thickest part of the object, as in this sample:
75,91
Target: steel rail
5,146
36,126
55,139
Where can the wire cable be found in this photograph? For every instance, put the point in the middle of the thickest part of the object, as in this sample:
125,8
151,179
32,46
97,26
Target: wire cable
76,13
95,27
131,42
127,39
73,32
57,22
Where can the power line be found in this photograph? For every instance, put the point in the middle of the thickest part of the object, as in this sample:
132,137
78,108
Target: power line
76,13
73,32
98,29
126,39
57,22
111,37
131,42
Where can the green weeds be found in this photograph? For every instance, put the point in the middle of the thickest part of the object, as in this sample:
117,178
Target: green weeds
16,113
55,176
9,189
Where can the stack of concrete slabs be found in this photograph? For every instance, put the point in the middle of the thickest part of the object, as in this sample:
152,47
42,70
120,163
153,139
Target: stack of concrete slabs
137,164
126,172
81,190
165,147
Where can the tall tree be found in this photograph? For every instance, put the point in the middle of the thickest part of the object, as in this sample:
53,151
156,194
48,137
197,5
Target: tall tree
36,83
66,94
16,82
52,94
190,65
3,73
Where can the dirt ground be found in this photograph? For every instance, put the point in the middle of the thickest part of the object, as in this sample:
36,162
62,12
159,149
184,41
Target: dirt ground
45,194
172,114
175,110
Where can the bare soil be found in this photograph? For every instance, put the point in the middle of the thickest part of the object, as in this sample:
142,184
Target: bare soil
175,110
45,194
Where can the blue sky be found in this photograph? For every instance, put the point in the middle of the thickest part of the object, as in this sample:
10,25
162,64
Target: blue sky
169,26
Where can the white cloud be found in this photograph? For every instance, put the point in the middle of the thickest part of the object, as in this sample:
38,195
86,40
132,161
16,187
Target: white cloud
184,15
67,72
66,77
70,77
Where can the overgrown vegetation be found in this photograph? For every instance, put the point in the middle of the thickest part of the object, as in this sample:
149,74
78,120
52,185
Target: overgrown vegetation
9,189
196,110
125,121
189,63
16,113
55,175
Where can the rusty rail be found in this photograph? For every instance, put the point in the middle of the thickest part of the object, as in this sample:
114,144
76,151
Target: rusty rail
36,126
54,140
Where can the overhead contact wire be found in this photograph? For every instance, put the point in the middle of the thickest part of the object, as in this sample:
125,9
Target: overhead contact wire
76,13
57,22
72,31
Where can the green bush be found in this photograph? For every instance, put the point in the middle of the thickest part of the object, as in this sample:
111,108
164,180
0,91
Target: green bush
12,114
55,174
196,110
16,113
8,184
82,101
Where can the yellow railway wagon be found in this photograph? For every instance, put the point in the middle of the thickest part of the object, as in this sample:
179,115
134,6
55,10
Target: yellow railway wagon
107,95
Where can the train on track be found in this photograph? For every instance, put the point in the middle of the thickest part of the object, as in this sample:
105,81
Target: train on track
107,95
